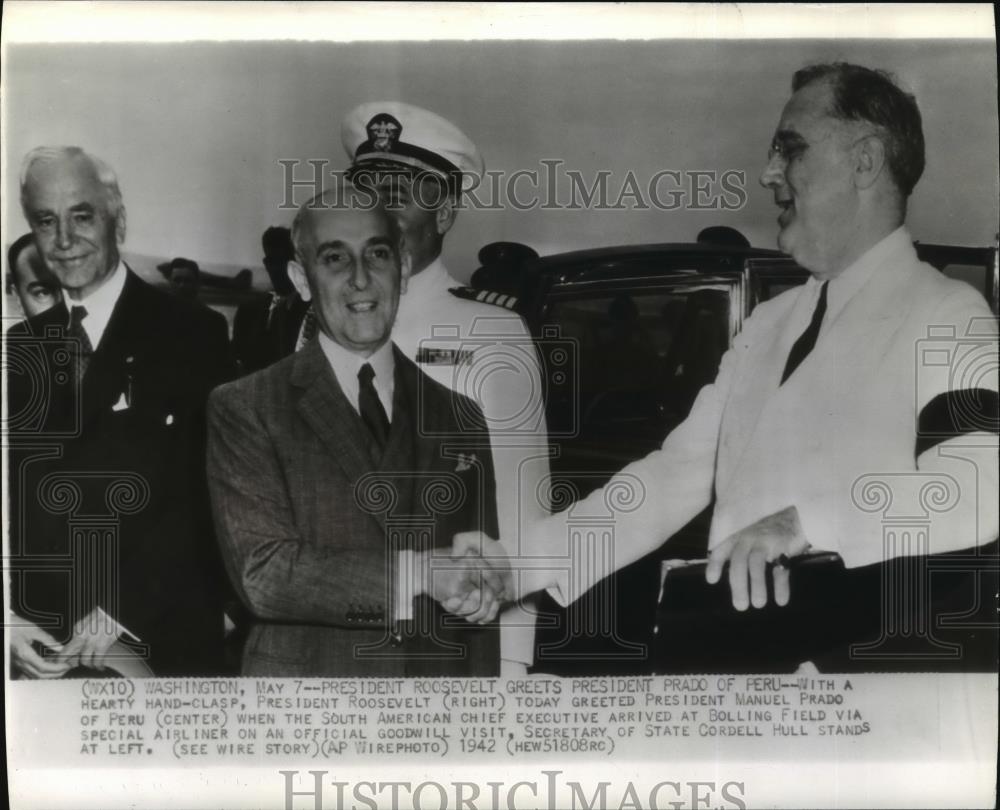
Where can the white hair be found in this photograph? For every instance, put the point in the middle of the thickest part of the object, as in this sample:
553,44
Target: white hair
105,174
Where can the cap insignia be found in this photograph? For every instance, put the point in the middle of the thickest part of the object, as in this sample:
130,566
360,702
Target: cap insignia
383,132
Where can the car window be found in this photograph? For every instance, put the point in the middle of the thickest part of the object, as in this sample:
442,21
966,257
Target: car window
641,357
974,274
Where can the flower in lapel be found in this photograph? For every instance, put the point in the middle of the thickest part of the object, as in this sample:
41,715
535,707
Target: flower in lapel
466,461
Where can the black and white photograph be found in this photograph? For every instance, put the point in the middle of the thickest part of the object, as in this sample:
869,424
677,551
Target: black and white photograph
498,405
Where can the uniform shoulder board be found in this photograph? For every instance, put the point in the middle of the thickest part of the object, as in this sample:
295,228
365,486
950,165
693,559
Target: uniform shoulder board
485,297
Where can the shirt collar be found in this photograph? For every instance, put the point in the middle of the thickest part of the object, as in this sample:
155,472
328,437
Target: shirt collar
345,365
101,303
848,283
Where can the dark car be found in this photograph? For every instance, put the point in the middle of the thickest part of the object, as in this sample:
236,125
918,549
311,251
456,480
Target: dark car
627,337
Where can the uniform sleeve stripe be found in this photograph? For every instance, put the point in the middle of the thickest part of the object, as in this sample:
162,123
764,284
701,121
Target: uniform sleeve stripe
485,297
955,413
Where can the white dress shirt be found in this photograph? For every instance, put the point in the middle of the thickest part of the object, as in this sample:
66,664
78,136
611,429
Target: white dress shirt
345,365
100,304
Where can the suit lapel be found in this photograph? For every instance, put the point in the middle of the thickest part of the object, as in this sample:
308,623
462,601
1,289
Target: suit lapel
328,413
421,421
106,377
756,386
841,353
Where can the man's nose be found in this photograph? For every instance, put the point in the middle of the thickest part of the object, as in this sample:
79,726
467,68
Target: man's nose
64,233
360,277
774,172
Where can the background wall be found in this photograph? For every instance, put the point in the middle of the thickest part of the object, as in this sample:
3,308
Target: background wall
195,130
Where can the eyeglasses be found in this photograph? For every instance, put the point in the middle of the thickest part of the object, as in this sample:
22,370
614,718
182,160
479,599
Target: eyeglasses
788,148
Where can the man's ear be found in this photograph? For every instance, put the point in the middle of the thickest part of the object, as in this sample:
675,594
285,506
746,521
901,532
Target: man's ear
297,275
120,222
869,161
445,216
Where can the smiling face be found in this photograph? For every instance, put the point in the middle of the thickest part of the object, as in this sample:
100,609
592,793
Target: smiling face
349,266
811,172
77,234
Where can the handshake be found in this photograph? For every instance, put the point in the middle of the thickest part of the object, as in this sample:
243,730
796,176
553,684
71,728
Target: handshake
474,581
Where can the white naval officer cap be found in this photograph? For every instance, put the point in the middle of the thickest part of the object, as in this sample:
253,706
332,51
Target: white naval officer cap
391,136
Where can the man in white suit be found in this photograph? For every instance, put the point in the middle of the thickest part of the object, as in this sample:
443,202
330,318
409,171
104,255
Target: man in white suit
825,385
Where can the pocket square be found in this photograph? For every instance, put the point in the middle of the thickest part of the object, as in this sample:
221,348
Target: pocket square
465,462
121,404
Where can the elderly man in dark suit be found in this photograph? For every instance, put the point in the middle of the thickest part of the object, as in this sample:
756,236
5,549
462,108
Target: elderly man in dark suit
111,546
337,471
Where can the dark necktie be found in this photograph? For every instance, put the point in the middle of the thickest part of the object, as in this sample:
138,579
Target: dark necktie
76,330
807,340
371,408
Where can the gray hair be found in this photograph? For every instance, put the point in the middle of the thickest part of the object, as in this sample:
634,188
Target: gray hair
342,196
105,174
873,96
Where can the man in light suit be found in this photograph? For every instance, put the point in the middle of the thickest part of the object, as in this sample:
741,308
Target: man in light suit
111,538
335,472
825,386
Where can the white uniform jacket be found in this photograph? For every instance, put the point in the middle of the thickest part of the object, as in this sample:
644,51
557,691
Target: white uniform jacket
901,347
486,353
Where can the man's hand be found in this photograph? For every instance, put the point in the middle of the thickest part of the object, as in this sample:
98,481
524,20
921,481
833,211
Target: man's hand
490,556
748,552
93,636
466,586
32,665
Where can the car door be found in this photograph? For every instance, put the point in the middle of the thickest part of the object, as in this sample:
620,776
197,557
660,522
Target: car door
642,347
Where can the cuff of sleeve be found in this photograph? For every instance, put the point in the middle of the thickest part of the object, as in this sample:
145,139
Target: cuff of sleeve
517,632
406,589
119,629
